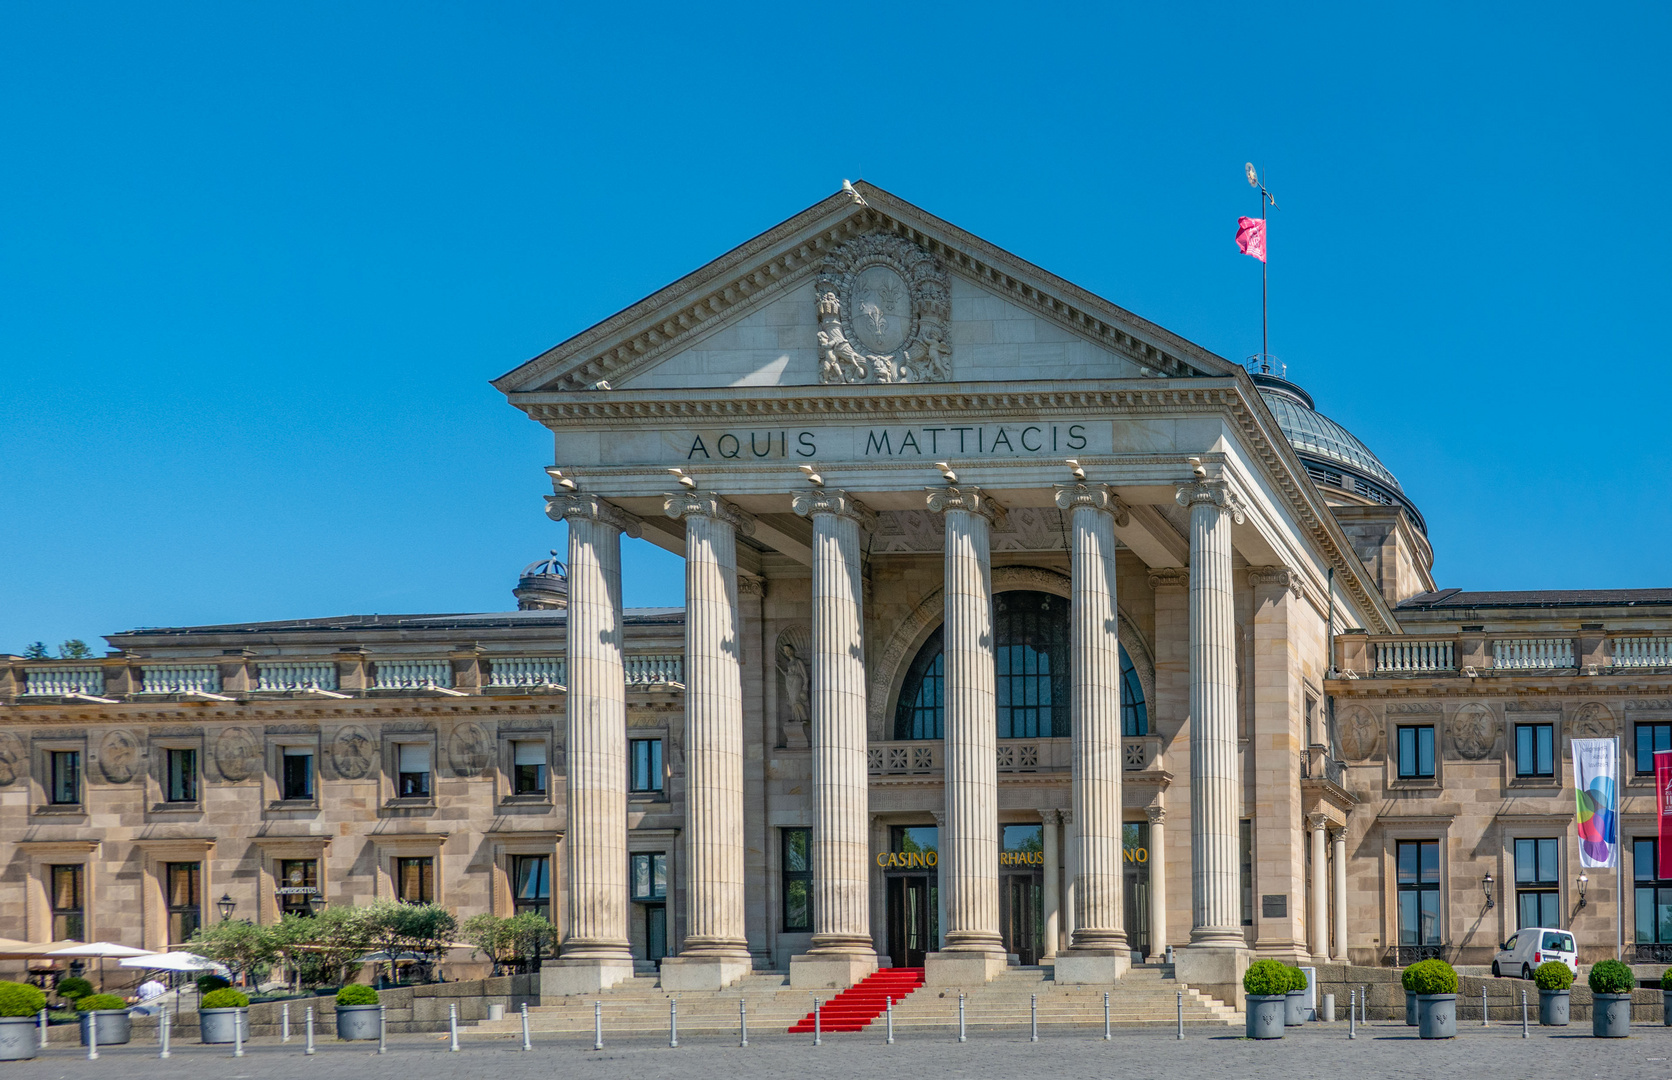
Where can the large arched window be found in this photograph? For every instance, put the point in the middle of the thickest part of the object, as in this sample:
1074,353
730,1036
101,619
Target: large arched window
1031,672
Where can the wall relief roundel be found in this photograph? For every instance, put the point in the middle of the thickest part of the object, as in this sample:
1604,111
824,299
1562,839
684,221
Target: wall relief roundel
1361,735
351,752
1474,730
14,763
469,749
119,757
237,754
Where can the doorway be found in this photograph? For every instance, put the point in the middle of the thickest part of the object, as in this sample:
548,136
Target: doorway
912,905
1021,909
1135,862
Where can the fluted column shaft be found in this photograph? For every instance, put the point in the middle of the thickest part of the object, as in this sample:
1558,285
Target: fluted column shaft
841,777
1215,786
1320,892
1158,882
1053,889
714,832
970,844
1100,915
595,787
1339,846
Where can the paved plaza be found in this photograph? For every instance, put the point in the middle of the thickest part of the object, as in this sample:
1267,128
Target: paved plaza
1382,1050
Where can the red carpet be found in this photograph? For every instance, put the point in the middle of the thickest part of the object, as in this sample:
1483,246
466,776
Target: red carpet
863,1002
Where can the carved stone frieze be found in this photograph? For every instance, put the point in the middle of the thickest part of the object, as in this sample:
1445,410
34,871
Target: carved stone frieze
1416,708
1024,528
884,308
1360,734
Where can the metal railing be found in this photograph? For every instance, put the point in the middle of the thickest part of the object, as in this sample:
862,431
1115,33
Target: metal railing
58,681
300,675
1532,653
1398,657
1646,953
179,679
1406,955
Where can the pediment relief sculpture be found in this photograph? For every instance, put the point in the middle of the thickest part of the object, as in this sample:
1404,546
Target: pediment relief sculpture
884,308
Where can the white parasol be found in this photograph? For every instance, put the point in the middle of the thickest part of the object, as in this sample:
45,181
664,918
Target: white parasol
176,961
99,950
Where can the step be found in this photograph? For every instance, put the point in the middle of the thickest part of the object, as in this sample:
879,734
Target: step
859,1004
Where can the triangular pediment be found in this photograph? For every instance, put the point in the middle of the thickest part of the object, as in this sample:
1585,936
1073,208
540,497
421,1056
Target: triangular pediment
879,292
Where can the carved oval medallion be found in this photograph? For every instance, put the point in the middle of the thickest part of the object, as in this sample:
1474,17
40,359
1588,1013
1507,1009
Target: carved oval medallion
351,752
882,308
14,762
1360,734
237,755
1474,730
469,749
119,757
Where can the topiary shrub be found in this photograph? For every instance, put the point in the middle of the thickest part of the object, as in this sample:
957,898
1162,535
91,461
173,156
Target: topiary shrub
74,987
1666,979
100,1001
356,994
1265,977
1432,977
1611,977
224,998
1297,979
208,983
1554,975
1405,980
20,999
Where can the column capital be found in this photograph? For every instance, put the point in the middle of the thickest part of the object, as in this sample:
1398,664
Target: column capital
1211,492
1280,576
592,508
1096,496
750,584
833,501
1169,578
969,497
1050,817
1157,814
706,504
1317,821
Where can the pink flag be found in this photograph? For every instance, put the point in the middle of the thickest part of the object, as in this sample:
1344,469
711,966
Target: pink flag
1251,237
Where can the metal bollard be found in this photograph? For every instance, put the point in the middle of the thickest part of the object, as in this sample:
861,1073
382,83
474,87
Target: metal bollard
1181,1014
383,1029
1364,1005
1523,1014
961,1016
597,1025
453,1026
43,1027
673,1023
92,1036
284,1022
1352,1014
307,1024
817,1041
1033,1018
1483,1006
238,1033
162,1035
890,1021
1105,1016
743,1022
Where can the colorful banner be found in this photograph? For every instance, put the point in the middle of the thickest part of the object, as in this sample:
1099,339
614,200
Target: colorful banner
1663,785
1595,771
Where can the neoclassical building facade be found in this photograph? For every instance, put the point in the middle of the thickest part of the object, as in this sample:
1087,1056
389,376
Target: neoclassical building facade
1017,630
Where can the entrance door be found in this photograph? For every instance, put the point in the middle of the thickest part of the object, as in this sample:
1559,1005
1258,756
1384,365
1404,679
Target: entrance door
910,909
1021,905
1136,862
655,932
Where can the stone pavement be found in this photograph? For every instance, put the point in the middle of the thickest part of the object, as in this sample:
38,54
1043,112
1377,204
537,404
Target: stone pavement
1382,1050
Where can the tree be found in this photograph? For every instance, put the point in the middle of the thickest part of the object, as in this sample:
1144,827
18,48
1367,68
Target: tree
396,927
341,936
36,651
517,942
530,936
240,945
489,934
74,649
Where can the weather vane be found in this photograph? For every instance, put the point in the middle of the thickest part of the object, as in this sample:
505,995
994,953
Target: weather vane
1251,240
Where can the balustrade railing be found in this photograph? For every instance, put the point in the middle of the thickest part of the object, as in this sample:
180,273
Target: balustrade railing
1641,652
655,669
1398,657
59,681
919,756
300,675
411,674
526,671
179,679
1532,653
904,758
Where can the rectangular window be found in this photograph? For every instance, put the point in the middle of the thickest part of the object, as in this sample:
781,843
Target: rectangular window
1245,864
528,768
646,757
185,900
415,880
412,767
798,881
649,872
68,902
1537,882
1535,750
64,786
297,781
1419,890
182,780
1652,898
1651,737
1416,753
298,884
531,883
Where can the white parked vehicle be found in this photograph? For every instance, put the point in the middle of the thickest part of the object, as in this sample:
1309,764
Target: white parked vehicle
1531,946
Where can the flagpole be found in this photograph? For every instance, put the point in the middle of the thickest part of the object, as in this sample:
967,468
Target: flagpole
1620,848
1265,347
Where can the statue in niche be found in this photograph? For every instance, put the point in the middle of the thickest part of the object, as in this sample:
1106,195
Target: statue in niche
795,687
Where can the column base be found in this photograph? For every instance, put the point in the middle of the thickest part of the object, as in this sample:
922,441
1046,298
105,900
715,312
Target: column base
1214,970
961,968
565,977
703,972
818,971
1092,965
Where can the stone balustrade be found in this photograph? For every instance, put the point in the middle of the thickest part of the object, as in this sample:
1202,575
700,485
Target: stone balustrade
58,681
1535,653
922,757
179,679
1641,651
515,671
655,669
296,675
1402,656
411,674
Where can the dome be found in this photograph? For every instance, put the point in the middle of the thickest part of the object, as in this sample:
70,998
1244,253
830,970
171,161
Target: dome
543,586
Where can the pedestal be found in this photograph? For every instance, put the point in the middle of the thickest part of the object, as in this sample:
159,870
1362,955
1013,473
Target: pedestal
702,972
961,968
565,978
1216,972
1098,966
816,971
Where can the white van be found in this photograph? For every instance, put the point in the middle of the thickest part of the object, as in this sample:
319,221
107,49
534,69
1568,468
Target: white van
1531,946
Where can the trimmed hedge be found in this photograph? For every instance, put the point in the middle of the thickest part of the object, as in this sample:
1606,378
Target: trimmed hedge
224,998
100,1001
1553,975
211,982
74,987
1265,977
356,994
20,999
1611,977
1431,977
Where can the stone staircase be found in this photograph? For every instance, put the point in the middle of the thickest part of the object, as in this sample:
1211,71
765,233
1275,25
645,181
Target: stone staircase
639,1007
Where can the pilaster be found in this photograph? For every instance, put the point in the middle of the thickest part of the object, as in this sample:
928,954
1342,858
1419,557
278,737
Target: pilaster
1277,745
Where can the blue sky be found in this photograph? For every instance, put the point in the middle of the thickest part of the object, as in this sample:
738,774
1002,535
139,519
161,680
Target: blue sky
261,260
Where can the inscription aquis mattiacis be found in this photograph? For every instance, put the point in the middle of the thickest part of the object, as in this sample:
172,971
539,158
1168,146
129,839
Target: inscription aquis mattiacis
929,442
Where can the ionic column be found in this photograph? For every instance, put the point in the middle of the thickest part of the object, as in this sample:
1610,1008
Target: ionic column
1158,882
1070,864
594,953
1320,891
1053,904
972,948
715,951
842,951
1215,786
1339,844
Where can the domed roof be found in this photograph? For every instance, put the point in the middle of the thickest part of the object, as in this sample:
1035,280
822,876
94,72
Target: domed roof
549,566
543,586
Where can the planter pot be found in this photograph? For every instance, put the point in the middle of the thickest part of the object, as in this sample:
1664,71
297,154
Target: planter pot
1265,1015
115,1026
1553,1008
216,1024
1410,1009
20,1038
357,1021
1610,1015
1294,1008
1437,1016
1666,1006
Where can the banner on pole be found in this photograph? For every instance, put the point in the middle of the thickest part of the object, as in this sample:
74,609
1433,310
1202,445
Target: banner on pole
1595,769
1251,237
1663,788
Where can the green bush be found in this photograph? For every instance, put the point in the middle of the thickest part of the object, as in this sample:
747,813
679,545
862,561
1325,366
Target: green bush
1666,979
1405,980
100,1001
20,999
74,987
1265,977
1554,975
224,998
207,983
1297,979
1612,977
1431,977
356,994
